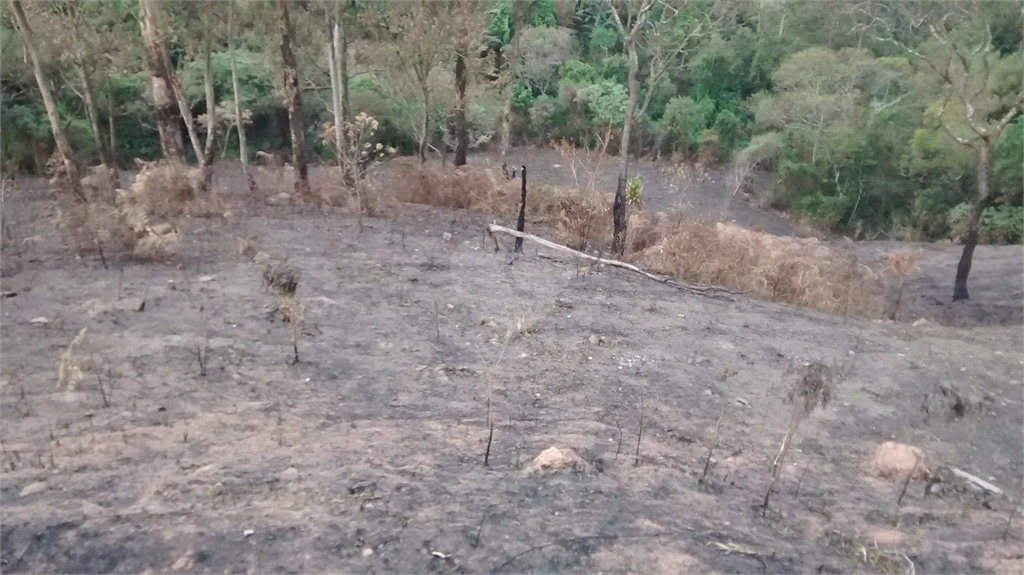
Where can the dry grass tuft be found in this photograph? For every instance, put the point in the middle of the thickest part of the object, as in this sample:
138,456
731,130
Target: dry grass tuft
897,268
73,363
374,199
798,271
140,220
281,278
465,187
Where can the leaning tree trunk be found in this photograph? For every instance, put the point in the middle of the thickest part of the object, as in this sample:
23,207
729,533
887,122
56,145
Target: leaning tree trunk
94,115
963,269
619,207
168,117
243,154
211,97
293,101
69,166
461,126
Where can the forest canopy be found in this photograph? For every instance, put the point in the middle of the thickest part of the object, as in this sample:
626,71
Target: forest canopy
869,115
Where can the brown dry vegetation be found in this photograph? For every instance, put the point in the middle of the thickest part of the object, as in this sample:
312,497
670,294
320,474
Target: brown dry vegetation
141,220
684,246
187,436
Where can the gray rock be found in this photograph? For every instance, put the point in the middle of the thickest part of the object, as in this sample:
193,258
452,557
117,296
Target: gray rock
33,488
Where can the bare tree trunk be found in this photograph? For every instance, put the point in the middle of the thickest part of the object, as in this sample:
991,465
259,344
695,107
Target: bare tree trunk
333,48
94,115
211,99
425,91
186,112
293,101
518,12
341,55
461,126
963,269
63,147
111,112
167,114
619,206
243,154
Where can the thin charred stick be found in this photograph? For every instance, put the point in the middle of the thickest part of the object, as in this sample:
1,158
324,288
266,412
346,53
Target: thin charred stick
521,224
490,438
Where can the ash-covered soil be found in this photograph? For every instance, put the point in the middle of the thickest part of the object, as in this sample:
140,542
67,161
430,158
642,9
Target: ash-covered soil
368,454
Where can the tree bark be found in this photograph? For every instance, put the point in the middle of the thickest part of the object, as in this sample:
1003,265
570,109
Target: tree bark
333,49
341,55
629,42
619,206
71,170
111,113
425,91
518,12
168,117
963,269
211,99
94,115
293,102
461,126
243,154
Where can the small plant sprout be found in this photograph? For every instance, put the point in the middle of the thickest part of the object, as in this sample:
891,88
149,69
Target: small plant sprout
284,280
635,192
811,389
727,376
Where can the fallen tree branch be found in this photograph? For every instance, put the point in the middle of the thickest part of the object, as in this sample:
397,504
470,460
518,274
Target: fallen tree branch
699,290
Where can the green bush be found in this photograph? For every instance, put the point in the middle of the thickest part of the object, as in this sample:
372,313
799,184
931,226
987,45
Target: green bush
684,120
826,211
998,224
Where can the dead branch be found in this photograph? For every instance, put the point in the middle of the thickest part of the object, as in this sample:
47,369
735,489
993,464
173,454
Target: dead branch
712,291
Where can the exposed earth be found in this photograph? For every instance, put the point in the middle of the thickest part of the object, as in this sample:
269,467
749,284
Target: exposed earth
192,442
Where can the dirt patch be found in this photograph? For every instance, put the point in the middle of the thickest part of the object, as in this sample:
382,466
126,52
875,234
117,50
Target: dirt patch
368,453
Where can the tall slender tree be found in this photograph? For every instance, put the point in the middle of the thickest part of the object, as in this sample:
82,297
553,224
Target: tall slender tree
168,117
70,167
211,99
469,30
239,120
518,17
293,101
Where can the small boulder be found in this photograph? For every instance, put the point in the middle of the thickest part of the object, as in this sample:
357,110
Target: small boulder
555,459
893,460
33,488
279,199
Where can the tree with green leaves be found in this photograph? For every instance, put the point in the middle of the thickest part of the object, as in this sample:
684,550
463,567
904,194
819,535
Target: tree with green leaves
978,84
665,32
424,29
69,166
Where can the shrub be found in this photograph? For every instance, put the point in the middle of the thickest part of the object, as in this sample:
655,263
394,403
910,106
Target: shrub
998,224
635,192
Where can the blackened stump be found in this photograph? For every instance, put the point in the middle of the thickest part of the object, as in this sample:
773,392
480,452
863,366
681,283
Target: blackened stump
521,225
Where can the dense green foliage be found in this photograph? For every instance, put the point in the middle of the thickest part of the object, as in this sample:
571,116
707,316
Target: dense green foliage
856,140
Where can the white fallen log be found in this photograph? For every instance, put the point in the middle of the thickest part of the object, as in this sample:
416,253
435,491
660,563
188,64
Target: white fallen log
977,482
700,290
